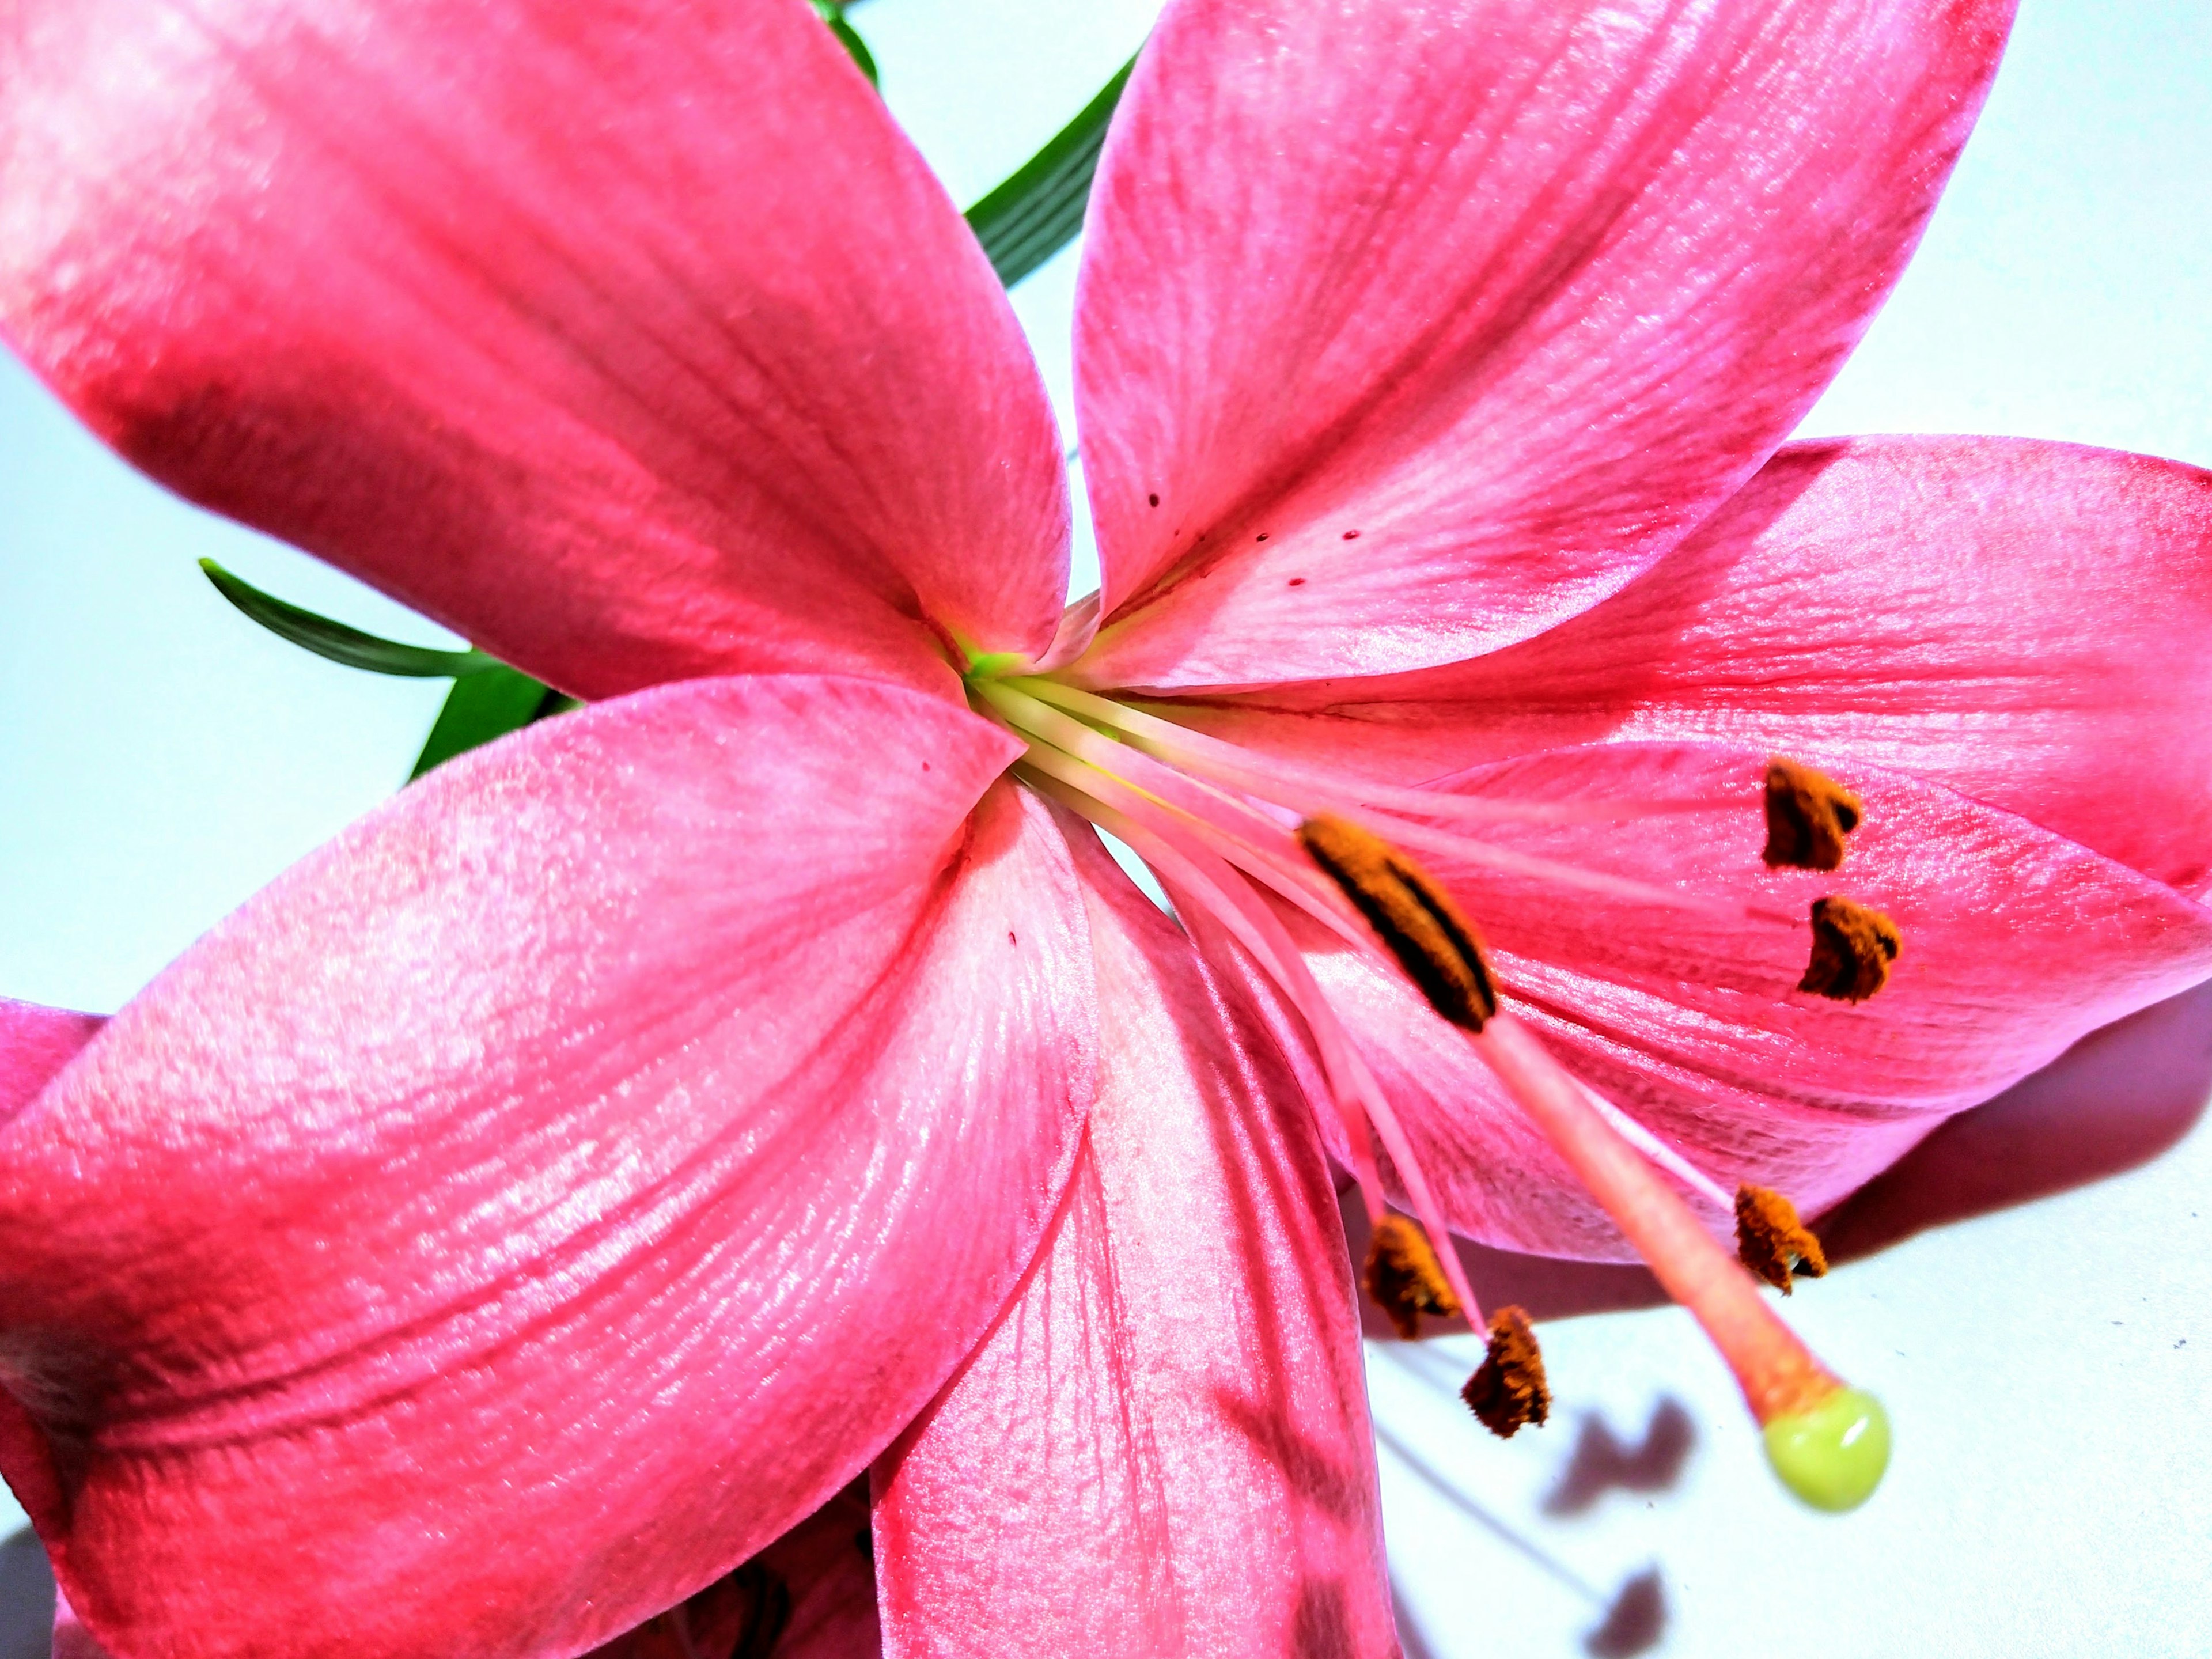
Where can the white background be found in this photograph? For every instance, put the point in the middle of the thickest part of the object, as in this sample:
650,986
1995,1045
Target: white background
2048,1364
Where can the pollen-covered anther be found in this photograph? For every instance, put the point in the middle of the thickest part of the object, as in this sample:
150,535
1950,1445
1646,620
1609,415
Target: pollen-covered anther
1853,946
1772,1240
1508,1389
1404,1277
1808,814
1437,946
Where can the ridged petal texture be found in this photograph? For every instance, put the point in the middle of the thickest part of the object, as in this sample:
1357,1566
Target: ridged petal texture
545,1196
2016,943
1426,326
2020,620
633,342
1163,1448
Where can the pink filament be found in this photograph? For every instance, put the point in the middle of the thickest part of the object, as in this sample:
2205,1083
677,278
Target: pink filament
1776,1371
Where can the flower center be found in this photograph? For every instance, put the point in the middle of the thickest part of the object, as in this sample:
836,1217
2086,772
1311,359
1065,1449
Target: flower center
1233,835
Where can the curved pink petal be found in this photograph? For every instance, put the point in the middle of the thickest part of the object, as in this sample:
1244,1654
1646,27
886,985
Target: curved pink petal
35,1043
810,1595
1426,326
1163,1448
543,1196
71,1639
2019,621
2016,943
634,342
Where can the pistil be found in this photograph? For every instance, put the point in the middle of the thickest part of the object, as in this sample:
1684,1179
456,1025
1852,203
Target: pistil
1215,823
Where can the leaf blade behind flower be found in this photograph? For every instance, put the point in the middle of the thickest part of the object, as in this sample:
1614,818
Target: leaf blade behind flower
1039,208
338,643
485,706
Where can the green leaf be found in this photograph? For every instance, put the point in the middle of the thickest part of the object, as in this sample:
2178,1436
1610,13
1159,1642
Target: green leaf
487,704
1031,217
833,13
338,642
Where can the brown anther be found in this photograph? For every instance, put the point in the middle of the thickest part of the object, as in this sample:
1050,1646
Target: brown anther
1403,1277
1508,1389
1808,815
1437,946
1772,1240
1853,945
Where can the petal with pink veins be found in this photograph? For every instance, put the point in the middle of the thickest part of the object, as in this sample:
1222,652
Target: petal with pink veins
2016,620
546,1194
2016,943
634,342
35,1043
1407,330
1163,1448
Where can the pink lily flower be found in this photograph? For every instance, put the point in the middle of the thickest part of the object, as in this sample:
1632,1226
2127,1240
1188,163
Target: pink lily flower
549,1196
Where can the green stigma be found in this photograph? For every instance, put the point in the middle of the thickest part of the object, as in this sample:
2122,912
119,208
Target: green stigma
1831,1455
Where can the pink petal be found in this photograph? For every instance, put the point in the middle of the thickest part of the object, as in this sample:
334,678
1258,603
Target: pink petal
71,1639
1429,325
1164,1446
635,344
2016,943
2021,621
811,1594
546,1195
35,1043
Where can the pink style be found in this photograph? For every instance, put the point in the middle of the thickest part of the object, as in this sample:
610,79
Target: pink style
518,1229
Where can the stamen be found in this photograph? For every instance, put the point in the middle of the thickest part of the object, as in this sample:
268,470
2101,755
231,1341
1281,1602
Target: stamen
1222,899
1223,844
1808,814
1508,1390
1403,1277
1852,948
1771,1241
1383,810
1829,1454
1434,944
1658,1150
1169,847
1272,778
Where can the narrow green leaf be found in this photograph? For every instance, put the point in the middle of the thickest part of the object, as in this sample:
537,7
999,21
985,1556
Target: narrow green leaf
1031,217
833,13
338,642
485,705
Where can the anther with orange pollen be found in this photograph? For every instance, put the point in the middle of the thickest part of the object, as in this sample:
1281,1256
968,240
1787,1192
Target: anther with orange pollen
1852,949
1827,1442
1773,1242
1232,834
1403,1278
1808,817
1508,1391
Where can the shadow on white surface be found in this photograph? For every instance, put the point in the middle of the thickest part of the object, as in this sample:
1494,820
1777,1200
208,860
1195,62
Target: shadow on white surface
1602,1462
1632,1619
2111,1104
